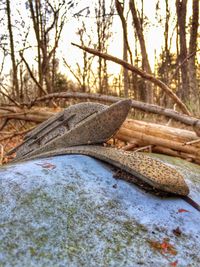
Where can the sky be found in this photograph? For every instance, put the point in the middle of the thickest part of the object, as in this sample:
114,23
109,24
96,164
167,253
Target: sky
154,33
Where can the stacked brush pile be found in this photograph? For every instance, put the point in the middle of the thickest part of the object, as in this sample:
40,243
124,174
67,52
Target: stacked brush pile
140,135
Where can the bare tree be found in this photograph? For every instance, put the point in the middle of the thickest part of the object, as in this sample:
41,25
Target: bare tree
194,92
103,25
15,84
48,24
126,48
165,65
181,9
166,45
145,62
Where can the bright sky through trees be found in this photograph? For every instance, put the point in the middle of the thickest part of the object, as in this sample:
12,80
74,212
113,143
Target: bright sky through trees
154,31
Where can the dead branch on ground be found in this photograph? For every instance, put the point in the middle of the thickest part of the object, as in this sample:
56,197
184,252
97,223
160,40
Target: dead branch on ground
187,120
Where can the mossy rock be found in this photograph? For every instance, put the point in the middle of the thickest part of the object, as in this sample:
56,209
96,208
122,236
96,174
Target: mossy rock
71,211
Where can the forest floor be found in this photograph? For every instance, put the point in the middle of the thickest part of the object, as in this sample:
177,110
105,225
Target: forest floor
14,131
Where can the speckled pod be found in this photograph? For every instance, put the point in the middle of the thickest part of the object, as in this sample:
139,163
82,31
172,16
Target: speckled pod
149,170
88,123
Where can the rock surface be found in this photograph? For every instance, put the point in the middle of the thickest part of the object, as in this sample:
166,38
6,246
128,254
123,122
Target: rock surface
70,211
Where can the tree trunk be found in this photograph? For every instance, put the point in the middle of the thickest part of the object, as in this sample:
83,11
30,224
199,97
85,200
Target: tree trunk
125,71
181,8
36,25
145,61
45,31
126,48
15,84
194,92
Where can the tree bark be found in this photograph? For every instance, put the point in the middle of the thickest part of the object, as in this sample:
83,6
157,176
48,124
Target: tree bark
181,8
171,141
126,47
15,84
145,62
119,8
161,131
194,92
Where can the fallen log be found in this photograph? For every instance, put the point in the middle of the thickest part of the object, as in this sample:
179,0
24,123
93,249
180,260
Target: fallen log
171,152
28,115
152,140
160,149
138,134
162,139
150,108
162,131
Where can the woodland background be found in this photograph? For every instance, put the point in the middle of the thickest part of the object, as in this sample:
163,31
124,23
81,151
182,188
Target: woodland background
39,70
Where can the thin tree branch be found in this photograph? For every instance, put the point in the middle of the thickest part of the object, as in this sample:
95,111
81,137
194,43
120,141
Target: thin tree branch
9,98
124,26
12,135
72,72
139,72
3,124
181,64
31,74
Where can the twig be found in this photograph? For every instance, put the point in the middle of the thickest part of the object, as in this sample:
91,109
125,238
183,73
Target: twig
16,134
4,122
2,154
149,147
72,72
31,74
2,132
129,146
192,142
9,98
181,64
34,79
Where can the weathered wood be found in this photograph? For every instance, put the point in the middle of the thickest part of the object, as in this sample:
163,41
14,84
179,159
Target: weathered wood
25,116
159,149
162,131
152,140
188,120
163,139
171,152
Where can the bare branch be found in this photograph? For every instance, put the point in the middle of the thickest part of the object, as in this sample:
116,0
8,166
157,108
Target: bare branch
7,96
72,72
188,120
124,26
181,64
139,72
31,74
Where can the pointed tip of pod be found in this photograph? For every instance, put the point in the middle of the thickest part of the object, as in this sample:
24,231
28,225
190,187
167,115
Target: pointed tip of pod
119,110
180,188
126,103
